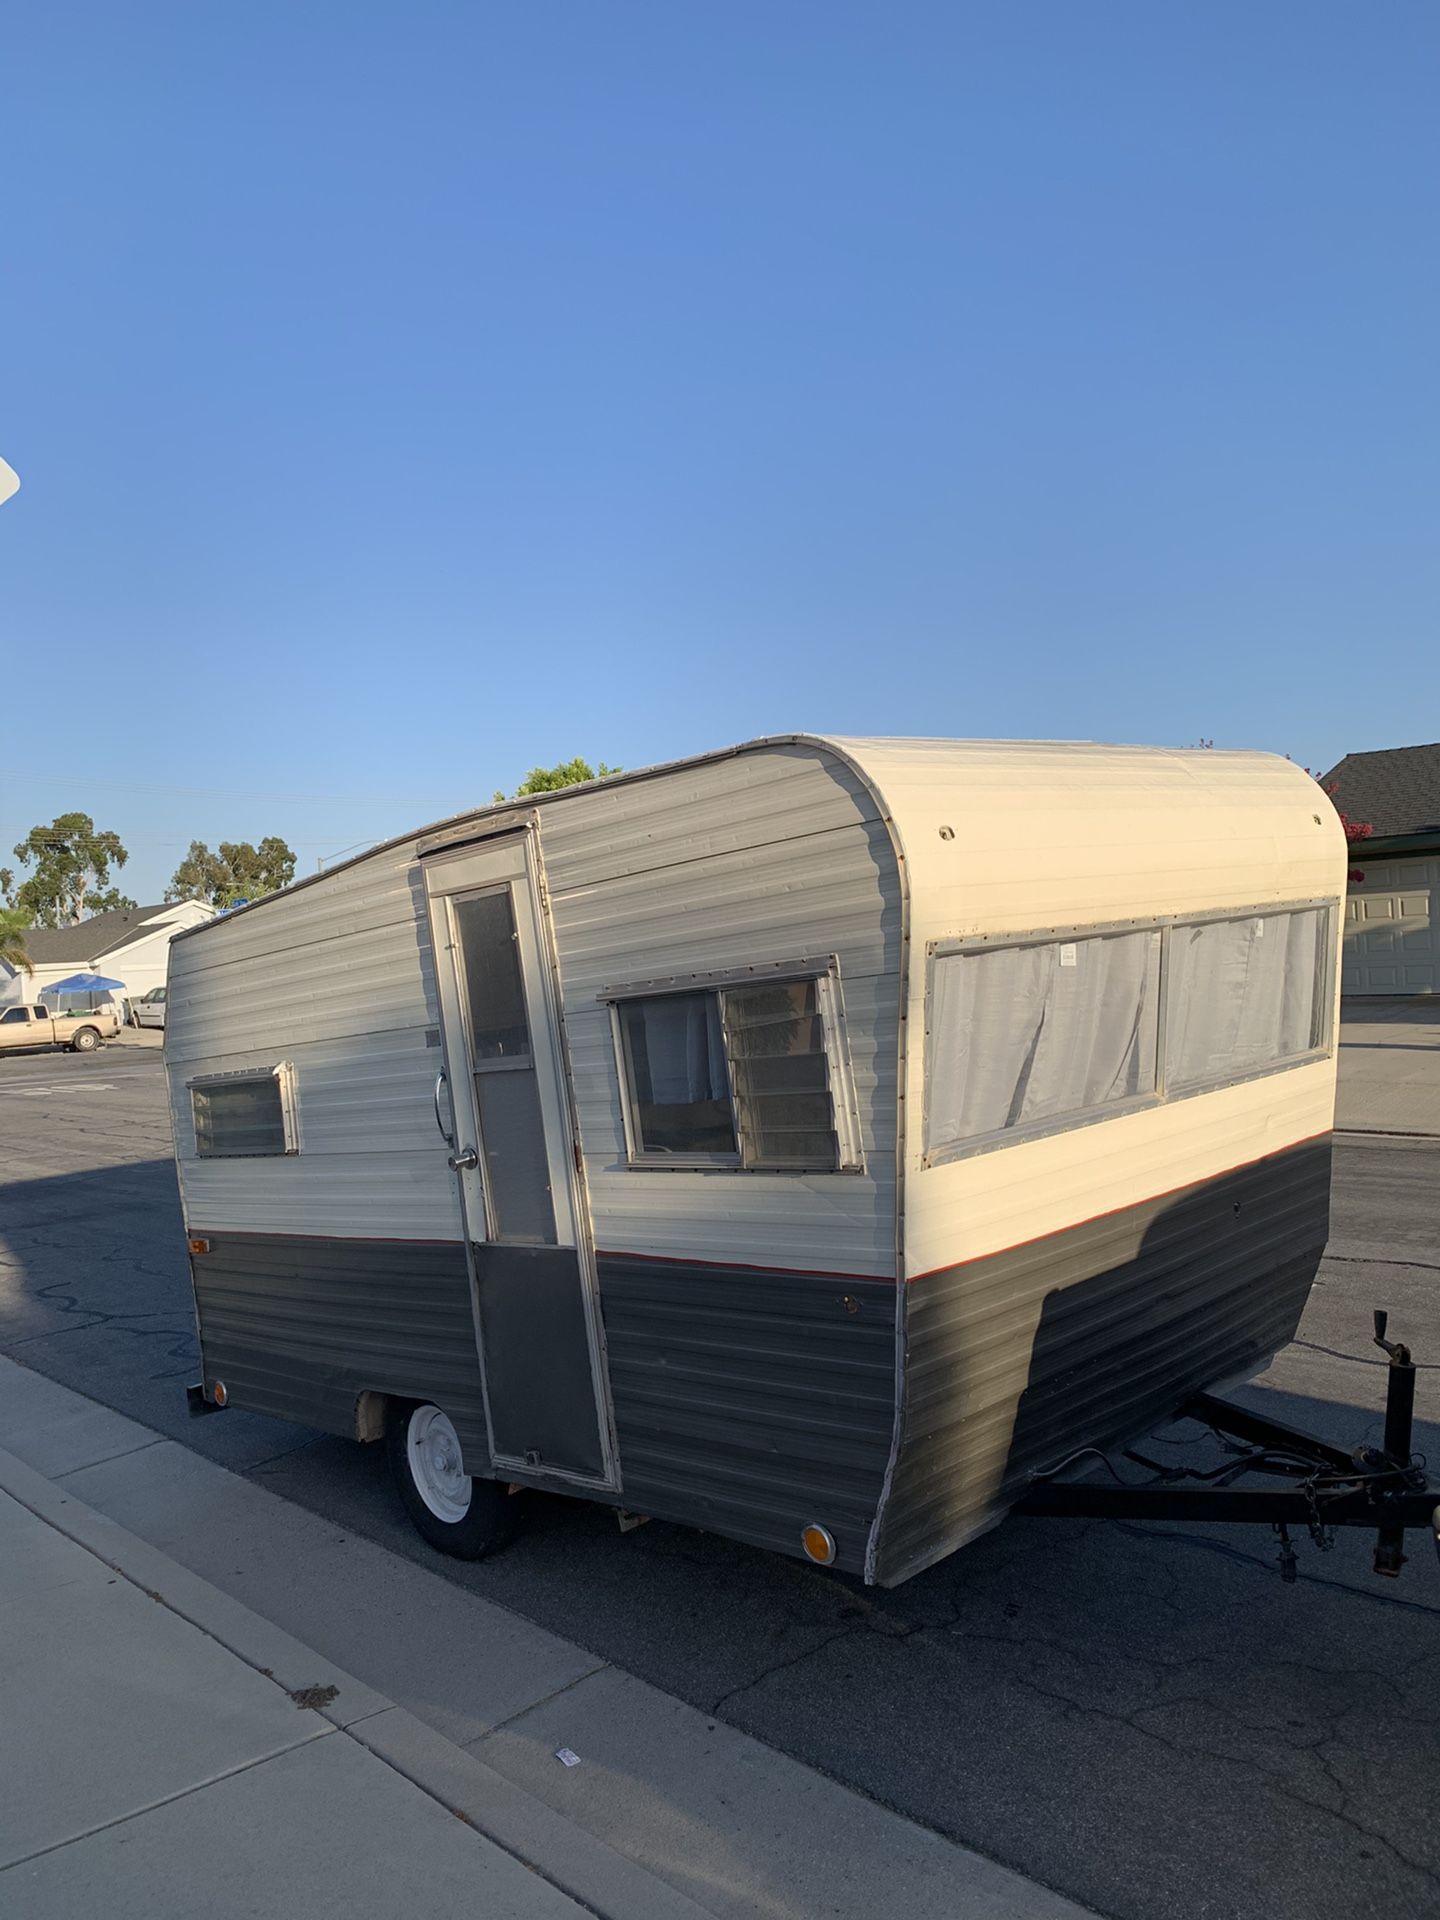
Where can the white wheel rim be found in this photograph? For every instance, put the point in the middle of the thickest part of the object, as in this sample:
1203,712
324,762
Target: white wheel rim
432,1448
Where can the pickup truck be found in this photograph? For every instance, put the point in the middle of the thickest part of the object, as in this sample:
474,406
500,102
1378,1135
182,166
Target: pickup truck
37,1027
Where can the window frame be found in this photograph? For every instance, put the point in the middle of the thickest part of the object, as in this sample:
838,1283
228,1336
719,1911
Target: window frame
830,1009
283,1073
1163,1094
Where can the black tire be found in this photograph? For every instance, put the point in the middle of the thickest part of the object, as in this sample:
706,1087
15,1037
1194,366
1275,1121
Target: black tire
491,1518
85,1040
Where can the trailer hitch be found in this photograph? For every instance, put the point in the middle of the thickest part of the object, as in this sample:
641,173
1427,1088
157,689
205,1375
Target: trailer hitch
1382,1487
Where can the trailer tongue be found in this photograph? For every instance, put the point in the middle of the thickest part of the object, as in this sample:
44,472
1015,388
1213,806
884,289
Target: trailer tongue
1385,1487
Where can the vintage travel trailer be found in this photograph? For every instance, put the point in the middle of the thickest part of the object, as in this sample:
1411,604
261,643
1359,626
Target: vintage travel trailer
810,1142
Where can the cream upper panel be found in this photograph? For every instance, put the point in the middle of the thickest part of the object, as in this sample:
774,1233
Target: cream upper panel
1039,835
1044,834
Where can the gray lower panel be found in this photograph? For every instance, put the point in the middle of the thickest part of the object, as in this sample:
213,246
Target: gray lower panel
298,1327
537,1356
751,1403
1090,1336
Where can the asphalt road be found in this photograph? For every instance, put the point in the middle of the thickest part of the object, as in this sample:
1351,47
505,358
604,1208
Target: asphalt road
1143,1717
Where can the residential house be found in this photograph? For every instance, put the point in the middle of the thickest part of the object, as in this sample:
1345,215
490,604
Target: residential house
130,944
1392,919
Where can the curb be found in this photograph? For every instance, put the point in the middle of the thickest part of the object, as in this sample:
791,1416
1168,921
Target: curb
606,1883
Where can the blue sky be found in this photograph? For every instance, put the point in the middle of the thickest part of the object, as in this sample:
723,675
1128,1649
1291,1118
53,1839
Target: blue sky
406,394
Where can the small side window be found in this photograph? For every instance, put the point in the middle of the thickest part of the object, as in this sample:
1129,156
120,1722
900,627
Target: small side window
748,1075
246,1114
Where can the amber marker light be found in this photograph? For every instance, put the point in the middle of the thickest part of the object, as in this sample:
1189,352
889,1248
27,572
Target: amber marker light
199,1246
218,1393
819,1544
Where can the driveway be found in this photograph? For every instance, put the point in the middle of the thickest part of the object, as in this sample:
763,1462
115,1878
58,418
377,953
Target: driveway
1390,1066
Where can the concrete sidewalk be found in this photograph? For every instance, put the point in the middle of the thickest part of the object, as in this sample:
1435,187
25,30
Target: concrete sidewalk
1389,1080
156,1764
166,1765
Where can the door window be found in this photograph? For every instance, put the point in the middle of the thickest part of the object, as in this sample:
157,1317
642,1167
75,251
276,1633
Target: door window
507,1090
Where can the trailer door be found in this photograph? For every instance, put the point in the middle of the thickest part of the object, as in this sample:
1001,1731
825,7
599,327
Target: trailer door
532,1270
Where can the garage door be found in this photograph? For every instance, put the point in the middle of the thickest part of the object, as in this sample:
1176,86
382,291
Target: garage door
1392,928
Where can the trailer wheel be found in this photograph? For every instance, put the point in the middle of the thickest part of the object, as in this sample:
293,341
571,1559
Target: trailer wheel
85,1040
464,1517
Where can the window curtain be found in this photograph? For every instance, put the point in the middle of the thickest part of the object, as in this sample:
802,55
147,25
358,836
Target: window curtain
1026,1034
684,1050
1242,994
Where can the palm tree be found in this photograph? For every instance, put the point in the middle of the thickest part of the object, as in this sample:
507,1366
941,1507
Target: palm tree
13,922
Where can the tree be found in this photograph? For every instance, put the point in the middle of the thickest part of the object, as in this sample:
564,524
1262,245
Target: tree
569,773
72,863
13,922
238,871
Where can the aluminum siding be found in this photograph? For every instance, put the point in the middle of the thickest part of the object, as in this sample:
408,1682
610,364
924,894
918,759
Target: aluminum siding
299,1327
339,979
771,855
1088,1337
751,1403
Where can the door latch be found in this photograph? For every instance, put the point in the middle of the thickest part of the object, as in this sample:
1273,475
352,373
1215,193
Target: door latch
464,1161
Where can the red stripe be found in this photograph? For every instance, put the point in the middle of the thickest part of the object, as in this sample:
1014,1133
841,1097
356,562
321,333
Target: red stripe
1128,1207
799,1273
739,1266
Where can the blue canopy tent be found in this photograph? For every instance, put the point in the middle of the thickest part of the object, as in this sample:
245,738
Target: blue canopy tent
90,986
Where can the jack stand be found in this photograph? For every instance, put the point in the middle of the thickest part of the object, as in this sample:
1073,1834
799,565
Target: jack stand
1399,1425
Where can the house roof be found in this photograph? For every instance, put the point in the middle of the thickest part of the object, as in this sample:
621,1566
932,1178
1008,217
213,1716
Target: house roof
1395,790
90,939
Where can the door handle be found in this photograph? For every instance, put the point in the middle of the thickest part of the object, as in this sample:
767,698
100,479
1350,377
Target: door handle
463,1161
445,1133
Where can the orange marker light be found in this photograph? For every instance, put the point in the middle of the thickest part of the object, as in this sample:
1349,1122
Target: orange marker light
819,1543
218,1393
199,1246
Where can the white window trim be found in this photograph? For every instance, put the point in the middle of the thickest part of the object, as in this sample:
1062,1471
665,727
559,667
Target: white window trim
284,1073
1163,1095
844,1109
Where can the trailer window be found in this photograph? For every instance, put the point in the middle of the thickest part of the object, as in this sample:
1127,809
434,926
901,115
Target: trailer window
749,1075
1030,1037
1244,995
674,1049
245,1114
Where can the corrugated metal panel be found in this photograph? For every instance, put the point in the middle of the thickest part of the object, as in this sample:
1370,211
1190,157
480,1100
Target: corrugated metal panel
298,1327
698,812
974,1206
382,1194
1088,1337
751,1403
369,891
359,981
792,897
339,980
770,855
1055,833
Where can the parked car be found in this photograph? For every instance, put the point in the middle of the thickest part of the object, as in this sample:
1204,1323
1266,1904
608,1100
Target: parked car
149,1009
37,1026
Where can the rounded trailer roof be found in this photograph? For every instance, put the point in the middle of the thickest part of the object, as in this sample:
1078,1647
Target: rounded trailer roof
1008,835
960,809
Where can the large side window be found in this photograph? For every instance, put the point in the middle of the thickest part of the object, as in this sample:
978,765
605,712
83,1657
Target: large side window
246,1114
1033,1035
747,1075
1244,995
1024,1038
